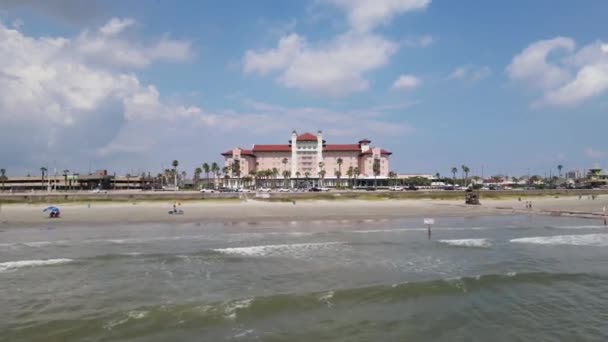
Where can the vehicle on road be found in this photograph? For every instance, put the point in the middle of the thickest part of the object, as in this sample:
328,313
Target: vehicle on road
395,188
324,189
208,191
264,190
243,190
314,189
284,190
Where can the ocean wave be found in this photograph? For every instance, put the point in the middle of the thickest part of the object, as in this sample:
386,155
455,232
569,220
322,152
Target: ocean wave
400,230
13,265
271,250
479,243
598,240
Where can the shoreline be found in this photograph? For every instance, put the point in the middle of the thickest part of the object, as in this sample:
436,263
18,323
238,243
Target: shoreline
156,212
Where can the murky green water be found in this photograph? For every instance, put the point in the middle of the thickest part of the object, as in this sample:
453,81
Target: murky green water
479,279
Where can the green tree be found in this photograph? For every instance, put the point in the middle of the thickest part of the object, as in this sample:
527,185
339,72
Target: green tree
465,172
339,174
454,170
275,175
393,176
215,170
197,176
376,170
350,173
175,164
285,178
206,169
356,173
285,161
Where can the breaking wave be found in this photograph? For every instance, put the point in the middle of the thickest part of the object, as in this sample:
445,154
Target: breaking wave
599,240
274,250
479,243
14,265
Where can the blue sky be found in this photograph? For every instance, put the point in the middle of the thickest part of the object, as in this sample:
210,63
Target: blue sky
131,85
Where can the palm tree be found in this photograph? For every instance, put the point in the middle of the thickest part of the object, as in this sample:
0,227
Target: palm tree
349,173
454,170
465,171
215,170
339,174
298,175
356,172
65,178
206,168
285,176
225,172
306,175
42,172
392,175
175,164
284,161
376,170
321,165
197,176
559,168
3,177
275,174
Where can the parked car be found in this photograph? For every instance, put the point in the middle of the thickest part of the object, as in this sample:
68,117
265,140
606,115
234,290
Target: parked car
99,191
207,191
314,189
243,190
264,190
395,188
225,190
324,189
284,190
413,188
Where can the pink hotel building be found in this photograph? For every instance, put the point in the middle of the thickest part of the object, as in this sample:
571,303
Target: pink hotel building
306,156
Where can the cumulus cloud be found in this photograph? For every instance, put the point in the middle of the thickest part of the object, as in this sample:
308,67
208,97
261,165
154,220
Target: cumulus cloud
334,68
569,80
364,15
407,82
54,96
338,66
470,73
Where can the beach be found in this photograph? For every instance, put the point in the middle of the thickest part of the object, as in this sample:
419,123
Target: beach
126,212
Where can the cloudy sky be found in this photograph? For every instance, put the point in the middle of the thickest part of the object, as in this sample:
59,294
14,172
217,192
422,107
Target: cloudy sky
129,86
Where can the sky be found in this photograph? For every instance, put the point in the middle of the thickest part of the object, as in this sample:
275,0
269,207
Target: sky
503,87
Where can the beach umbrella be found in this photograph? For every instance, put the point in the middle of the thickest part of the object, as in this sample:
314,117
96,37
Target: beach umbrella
51,209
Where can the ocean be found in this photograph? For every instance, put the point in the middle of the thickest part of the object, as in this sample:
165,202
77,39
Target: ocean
493,278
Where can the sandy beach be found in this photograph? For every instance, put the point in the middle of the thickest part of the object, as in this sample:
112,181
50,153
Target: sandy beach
16,215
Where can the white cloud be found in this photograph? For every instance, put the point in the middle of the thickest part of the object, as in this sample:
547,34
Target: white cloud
264,62
573,79
531,65
470,73
364,15
55,99
334,68
116,25
593,153
407,82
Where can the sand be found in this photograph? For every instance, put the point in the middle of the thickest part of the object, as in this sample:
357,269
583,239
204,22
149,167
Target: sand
19,215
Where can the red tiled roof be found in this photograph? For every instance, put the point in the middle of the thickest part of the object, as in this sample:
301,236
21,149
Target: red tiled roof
271,148
342,147
307,137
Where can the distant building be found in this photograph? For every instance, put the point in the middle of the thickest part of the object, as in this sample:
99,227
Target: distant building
307,160
574,174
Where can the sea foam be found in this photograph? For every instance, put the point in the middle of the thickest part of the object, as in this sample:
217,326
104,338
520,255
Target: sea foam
600,240
13,265
480,243
270,250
